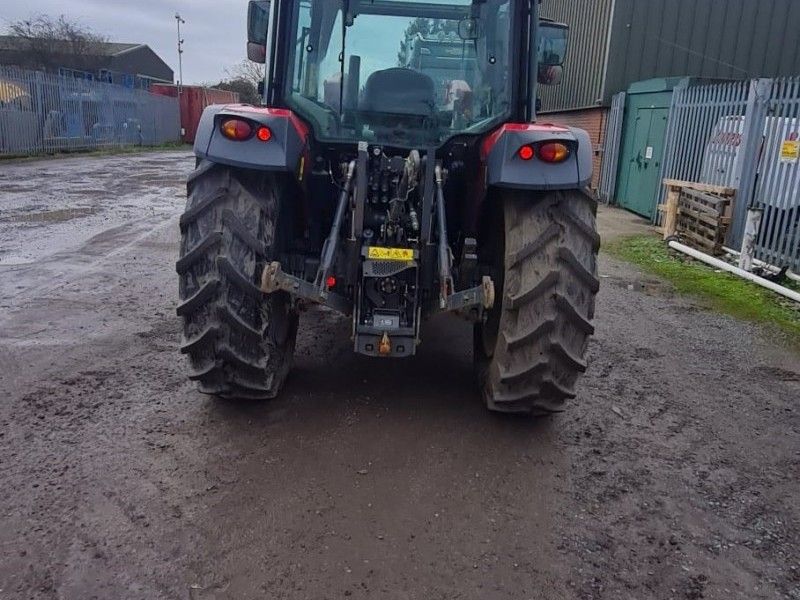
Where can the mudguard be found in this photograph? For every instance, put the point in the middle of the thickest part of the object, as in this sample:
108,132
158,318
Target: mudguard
505,168
281,153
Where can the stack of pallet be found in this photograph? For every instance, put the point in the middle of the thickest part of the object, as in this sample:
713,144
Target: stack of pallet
699,214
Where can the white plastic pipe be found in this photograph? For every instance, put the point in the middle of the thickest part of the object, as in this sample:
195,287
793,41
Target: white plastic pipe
760,263
721,264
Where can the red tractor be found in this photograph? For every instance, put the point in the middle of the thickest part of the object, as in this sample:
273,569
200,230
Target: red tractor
394,170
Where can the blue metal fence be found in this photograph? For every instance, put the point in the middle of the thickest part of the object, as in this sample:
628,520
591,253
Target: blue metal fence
43,113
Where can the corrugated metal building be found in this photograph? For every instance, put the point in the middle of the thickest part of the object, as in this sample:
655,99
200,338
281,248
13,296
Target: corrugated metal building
614,43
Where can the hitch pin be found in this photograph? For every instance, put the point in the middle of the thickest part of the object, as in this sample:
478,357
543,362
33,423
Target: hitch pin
385,345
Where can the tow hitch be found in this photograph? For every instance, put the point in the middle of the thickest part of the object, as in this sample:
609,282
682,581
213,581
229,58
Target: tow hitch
389,292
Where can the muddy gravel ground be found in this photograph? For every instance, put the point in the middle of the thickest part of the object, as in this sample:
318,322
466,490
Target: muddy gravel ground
674,474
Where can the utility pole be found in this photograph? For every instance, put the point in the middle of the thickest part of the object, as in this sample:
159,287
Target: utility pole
180,52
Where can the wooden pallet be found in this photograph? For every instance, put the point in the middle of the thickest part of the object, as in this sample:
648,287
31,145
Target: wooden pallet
702,220
698,213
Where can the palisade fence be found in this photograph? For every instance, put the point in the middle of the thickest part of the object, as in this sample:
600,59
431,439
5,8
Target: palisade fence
704,133
611,149
777,188
44,113
743,135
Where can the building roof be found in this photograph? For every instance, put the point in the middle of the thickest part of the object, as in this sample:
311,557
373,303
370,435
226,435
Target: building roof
128,58
115,48
12,42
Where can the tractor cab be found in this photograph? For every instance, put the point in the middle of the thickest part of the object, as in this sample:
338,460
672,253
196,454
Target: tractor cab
403,72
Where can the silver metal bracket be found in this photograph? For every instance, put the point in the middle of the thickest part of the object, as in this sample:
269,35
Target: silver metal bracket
274,279
480,297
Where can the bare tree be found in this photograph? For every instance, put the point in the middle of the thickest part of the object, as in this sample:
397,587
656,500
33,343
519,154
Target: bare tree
248,71
248,93
46,40
244,79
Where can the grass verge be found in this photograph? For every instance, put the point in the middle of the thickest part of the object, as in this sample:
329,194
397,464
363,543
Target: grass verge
721,291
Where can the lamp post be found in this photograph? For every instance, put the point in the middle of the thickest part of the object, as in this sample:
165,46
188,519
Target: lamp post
180,52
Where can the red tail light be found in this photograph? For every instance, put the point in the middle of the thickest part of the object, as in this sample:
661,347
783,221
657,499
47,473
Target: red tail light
264,133
526,152
553,152
236,129
330,282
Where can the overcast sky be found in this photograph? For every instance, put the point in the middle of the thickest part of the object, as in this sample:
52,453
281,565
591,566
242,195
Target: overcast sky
214,33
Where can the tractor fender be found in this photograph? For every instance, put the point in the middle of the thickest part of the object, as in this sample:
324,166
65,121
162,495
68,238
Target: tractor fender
506,168
282,152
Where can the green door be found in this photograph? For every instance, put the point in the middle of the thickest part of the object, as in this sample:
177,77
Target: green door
639,175
651,162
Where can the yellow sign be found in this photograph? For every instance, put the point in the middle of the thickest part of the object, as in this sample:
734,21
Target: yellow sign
790,151
377,253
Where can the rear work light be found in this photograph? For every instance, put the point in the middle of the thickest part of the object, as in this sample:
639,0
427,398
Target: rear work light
236,129
553,152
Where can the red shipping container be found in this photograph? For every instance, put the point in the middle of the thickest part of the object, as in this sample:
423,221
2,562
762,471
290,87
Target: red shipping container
193,99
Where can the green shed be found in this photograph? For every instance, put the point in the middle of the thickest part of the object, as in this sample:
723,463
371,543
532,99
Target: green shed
642,140
644,130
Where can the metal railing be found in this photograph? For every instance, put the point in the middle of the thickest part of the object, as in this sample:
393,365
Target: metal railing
42,113
777,187
743,135
611,149
704,133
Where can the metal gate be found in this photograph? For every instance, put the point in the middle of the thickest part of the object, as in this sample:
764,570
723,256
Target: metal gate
611,148
744,135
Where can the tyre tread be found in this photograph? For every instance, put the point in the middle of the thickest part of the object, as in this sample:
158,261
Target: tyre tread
551,256
196,254
200,297
227,319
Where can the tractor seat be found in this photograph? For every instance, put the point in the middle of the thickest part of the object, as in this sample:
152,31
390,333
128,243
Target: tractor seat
399,91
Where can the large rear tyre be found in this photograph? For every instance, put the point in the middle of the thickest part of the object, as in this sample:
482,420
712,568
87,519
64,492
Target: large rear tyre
239,341
530,351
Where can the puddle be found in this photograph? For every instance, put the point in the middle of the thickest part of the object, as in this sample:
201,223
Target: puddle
778,373
91,193
651,287
89,196
17,187
50,216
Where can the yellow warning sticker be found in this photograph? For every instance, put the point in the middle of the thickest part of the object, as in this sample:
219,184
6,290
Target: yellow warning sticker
790,151
378,253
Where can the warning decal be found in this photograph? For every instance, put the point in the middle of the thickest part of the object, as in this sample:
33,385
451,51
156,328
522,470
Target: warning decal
790,151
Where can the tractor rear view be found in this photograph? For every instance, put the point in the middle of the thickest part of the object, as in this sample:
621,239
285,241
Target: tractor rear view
394,171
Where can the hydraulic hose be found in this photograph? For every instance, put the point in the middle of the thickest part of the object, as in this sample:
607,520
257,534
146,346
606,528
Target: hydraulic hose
332,243
445,279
